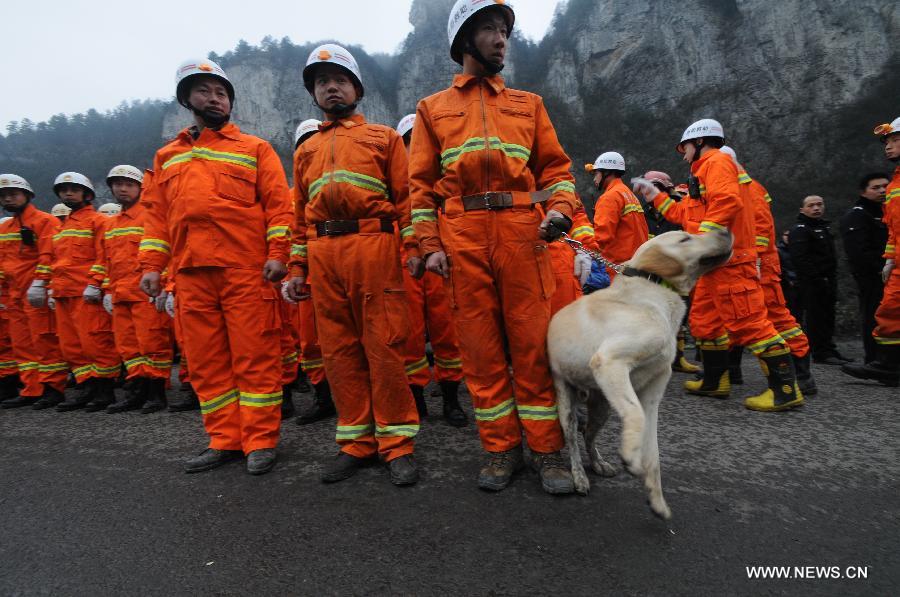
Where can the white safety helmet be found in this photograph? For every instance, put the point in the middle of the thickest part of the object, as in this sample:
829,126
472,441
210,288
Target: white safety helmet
13,181
306,127
610,160
729,152
406,124
464,10
5,219
110,209
194,67
60,210
125,171
333,54
883,130
74,178
706,127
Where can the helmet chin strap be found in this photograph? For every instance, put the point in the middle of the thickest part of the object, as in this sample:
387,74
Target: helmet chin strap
339,110
472,49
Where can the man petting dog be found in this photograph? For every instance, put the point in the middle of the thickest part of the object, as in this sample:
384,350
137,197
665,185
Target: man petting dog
729,306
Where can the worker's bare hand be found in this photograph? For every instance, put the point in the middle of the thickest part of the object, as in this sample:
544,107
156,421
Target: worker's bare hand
274,270
437,263
297,288
150,283
416,267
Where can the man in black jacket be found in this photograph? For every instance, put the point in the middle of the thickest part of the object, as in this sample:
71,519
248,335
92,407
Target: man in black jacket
864,237
811,246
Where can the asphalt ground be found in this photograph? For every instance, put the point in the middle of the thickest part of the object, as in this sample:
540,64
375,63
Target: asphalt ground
97,504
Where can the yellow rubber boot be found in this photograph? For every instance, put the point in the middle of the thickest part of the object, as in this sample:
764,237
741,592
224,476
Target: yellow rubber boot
681,364
715,382
783,392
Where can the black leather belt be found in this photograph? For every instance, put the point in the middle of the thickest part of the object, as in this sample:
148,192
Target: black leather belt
339,227
499,200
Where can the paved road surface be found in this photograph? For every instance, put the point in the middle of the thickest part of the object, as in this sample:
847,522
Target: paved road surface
98,505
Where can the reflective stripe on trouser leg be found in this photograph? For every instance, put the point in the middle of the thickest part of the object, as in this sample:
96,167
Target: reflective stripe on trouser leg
887,317
741,306
97,340
362,332
126,340
22,352
70,340
441,329
53,368
706,325
310,351
415,363
288,339
154,337
8,364
505,295
781,318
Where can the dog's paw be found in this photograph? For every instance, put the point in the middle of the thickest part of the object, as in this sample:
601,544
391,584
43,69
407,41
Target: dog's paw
659,508
603,468
582,483
633,467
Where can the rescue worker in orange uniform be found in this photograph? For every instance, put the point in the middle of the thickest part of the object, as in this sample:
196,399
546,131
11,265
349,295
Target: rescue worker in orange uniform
769,270
143,334
728,304
350,190
9,367
656,225
571,269
219,207
886,367
83,325
619,223
488,157
311,361
429,313
26,248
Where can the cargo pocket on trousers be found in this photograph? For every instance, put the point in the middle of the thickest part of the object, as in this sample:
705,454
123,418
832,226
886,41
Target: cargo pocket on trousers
545,270
270,320
389,319
734,303
449,286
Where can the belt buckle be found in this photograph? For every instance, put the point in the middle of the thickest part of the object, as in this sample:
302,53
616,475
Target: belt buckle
329,229
487,200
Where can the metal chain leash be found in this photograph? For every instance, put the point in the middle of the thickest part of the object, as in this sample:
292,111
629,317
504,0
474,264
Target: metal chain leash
578,247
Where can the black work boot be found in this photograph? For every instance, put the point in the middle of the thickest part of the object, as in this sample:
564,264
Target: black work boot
50,398
135,396
735,356
9,387
715,381
104,394
885,369
20,401
209,459
499,469
681,364
287,403
156,396
260,462
186,400
343,467
418,393
805,380
80,398
453,412
322,408
403,471
783,392
301,384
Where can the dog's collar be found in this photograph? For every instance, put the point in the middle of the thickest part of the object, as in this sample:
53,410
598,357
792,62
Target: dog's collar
633,272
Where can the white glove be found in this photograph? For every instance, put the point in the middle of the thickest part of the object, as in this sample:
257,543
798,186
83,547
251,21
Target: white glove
51,302
582,267
159,301
285,295
92,294
888,268
644,187
170,305
37,293
107,303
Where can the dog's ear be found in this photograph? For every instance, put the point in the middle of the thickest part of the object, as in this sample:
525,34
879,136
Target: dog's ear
655,261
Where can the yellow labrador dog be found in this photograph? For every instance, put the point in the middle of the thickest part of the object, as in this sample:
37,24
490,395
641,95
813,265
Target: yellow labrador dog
616,346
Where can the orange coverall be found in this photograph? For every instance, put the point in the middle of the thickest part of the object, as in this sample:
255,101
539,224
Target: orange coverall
429,309
353,171
770,266
32,331
887,317
568,287
9,366
619,223
143,335
84,329
289,342
728,303
220,210
474,137
310,352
